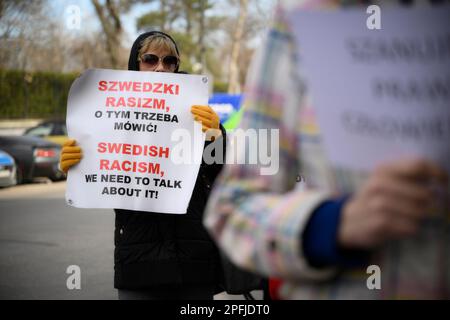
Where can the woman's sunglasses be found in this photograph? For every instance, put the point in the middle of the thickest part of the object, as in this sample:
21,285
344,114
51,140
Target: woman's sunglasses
152,60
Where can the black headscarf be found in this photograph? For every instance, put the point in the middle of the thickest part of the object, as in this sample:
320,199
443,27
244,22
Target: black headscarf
133,63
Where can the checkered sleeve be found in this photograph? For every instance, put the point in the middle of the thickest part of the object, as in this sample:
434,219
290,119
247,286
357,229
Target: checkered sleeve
257,212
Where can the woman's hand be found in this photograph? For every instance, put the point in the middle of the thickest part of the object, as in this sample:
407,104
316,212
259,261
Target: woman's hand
70,155
209,120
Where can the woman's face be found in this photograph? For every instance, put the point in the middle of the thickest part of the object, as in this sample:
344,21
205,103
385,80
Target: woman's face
158,60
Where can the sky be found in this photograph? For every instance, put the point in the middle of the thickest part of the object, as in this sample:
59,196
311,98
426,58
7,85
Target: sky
89,21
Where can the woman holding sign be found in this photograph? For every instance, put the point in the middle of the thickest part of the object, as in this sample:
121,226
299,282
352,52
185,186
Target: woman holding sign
163,256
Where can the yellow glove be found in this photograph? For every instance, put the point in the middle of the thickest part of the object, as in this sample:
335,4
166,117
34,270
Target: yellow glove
209,120
70,155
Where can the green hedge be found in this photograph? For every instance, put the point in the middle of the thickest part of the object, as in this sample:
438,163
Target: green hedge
40,95
33,95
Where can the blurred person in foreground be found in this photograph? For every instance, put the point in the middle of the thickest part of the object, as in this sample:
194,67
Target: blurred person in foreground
319,240
165,256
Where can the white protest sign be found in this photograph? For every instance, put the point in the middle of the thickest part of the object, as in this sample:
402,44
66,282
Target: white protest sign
379,94
141,147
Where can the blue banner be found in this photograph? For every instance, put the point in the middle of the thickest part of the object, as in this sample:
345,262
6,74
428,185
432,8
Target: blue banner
225,104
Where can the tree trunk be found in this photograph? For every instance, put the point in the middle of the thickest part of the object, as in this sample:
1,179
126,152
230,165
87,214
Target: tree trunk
189,16
201,37
233,70
112,28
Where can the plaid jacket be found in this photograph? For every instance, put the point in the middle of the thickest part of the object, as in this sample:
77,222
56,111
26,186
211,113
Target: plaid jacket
258,220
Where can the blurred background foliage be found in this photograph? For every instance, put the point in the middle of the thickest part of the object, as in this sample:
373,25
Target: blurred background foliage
40,56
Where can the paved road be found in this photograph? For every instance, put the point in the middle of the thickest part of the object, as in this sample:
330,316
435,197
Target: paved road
40,238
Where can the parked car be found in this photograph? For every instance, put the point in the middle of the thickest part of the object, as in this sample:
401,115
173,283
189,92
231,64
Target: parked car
34,157
51,130
7,170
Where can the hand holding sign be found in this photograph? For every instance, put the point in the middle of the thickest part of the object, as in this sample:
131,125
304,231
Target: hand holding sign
70,155
392,203
209,120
